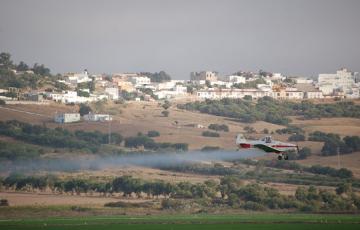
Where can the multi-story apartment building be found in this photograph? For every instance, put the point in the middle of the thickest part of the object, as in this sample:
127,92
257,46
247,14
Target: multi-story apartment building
342,80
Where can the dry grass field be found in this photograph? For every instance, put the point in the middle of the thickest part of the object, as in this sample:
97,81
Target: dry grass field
137,117
134,117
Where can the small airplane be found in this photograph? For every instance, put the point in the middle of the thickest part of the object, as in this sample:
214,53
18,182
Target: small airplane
268,145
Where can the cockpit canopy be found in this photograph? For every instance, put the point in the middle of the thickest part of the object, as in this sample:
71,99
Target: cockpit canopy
267,139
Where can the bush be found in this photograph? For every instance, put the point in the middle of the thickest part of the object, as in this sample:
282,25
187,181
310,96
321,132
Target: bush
2,102
304,153
210,134
4,202
84,109
250,205
121,204
249,129
297,137
180,146
141,140
218,127
165,113
172,204
153,133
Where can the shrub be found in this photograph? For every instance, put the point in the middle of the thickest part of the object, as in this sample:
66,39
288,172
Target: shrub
153,133
171,204
121,204
165,113
210,134
180,146
249,129
218,127
2,102
297,137
4,202
84,109
304,153
250,205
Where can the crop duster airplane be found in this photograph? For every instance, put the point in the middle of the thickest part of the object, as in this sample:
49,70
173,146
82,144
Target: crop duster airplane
268,145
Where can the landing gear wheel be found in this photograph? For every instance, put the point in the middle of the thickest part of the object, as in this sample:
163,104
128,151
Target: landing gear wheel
279,157
286,157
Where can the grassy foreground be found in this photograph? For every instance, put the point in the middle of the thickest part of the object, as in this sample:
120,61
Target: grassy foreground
244,221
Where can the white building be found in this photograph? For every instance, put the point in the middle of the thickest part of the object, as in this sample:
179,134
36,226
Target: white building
176,91
301,80
71,97
113,92
342,80
234,79
97,117
288,94
316,94
140,80
67,117
75,78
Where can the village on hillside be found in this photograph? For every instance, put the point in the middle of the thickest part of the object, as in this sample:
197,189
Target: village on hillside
85,87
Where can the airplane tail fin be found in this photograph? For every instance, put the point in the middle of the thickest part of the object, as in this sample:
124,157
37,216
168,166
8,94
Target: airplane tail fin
240,138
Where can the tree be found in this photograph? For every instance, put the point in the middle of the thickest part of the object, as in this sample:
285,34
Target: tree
210,134
166,105
248,97
165,113
153,133
41,70
352,142
297,137
5,60
22,66
304,153
84,109
208,83
301,194
344,188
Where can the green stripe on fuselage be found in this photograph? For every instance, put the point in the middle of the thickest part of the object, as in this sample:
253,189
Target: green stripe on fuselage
267,148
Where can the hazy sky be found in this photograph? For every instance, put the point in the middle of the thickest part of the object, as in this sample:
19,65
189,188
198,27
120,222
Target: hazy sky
304,37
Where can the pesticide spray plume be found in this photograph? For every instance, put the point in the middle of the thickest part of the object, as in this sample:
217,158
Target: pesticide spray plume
152,160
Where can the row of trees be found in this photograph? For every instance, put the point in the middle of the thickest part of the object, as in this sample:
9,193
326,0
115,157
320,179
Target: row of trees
79,139
231,191
315,169
58,137
14,152
271,110
333,143
145,141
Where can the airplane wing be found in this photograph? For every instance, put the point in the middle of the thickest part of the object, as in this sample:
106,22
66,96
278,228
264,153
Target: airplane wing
267,149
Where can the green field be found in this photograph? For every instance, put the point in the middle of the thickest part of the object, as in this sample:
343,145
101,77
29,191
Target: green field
219,222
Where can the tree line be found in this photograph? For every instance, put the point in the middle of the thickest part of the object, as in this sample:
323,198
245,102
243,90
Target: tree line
271,110
333,144
58,137
229,192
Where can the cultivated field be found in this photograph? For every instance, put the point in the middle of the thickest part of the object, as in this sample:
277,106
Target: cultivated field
254,221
